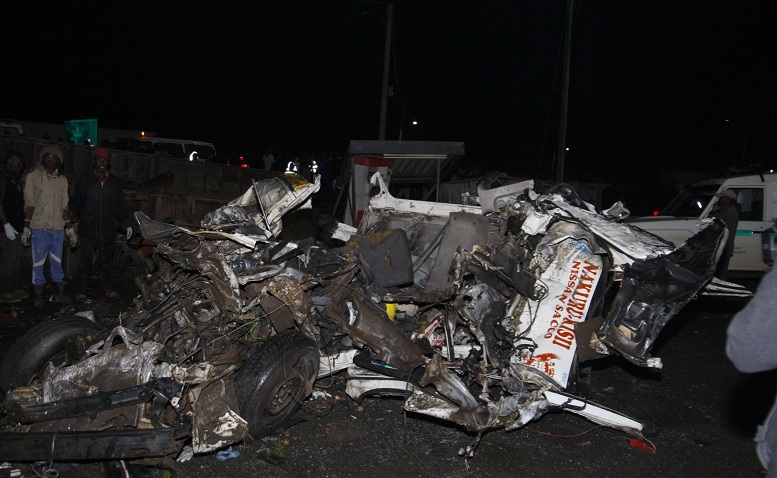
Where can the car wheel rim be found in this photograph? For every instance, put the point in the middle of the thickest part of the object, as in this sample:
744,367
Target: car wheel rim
285,395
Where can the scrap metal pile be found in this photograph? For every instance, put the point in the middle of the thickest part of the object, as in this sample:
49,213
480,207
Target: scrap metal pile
478,315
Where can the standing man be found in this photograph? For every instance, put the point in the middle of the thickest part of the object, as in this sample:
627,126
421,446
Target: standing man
750,346
12,217
102,208
268,160
46,221
726,210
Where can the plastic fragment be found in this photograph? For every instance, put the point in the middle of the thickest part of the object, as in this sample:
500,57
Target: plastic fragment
270,456
638,444
227,454
6,469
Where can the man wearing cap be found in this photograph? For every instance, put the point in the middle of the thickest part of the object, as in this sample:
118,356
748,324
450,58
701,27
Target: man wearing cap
12,218
47,221
725,208
101,206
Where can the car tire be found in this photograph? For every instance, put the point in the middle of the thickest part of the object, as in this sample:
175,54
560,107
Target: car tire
274,381
60,340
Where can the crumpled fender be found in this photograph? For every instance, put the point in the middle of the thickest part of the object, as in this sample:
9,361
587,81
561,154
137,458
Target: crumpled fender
655,289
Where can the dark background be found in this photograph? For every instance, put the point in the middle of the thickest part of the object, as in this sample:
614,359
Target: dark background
654,85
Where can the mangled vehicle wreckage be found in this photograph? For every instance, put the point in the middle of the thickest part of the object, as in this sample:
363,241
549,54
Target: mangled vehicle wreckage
481,315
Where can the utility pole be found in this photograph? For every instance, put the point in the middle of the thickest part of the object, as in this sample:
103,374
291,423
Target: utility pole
562,128
386,64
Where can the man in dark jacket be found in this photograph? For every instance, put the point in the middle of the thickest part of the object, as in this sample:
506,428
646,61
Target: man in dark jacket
12,218
99,201
726,209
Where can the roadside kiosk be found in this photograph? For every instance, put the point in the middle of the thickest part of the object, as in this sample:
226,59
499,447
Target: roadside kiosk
410,167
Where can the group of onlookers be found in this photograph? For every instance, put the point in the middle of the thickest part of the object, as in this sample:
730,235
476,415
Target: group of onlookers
40,213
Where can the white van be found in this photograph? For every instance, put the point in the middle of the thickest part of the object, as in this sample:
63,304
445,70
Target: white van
177,148
10,127
690,211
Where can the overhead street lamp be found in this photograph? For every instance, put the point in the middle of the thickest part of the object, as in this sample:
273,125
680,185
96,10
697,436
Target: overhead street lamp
402,128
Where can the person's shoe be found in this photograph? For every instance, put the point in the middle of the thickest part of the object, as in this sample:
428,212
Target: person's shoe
60,296
37,300
112,294
6,297
13,296
20,294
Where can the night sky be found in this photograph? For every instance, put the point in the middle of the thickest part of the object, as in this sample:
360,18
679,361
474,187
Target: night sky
652,83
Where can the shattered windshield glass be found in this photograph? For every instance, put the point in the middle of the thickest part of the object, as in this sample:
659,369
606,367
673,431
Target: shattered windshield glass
691,202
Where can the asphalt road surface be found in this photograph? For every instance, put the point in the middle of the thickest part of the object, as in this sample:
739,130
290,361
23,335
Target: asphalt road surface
699,413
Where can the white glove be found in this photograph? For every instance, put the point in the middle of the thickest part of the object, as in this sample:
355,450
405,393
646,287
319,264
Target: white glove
71,235
10,232
129,233
26,236
186,454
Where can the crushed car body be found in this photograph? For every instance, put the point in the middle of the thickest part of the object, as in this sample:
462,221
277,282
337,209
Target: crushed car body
481,315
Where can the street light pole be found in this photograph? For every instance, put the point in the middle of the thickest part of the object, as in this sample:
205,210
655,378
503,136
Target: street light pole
386,63
562,128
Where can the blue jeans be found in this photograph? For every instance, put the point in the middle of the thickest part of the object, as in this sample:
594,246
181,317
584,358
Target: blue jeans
47,244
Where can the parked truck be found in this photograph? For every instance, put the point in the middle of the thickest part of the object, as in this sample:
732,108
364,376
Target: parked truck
691,210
